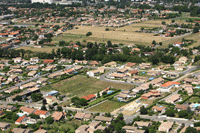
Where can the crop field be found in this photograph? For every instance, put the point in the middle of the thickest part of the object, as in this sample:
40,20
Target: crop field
81,86
44,49
126,34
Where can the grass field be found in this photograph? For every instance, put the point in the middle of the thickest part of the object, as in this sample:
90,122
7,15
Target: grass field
194,100
107,106
44,49
81,86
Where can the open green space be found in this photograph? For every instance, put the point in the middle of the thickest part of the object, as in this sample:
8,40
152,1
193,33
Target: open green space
107,106
81,85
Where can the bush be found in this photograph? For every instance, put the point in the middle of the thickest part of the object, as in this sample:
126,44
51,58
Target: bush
107,29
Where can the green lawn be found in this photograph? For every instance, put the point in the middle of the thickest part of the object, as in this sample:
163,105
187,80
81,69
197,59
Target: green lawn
194,100
81,85
107,106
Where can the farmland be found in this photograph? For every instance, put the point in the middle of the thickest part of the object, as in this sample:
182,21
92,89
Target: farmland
44,49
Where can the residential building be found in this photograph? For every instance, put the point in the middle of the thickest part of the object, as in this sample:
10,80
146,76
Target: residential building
7,107
43,114
51,100
32,68
42,80
108,120
13,78
93,63
93,73
170,84
21,120
111,64
57,116
159,109
21,130
35,59
27,110
89,97
32,73
118,76
28,85
181,107
174,98
141,124
145,65
153,73
130,65
165,127
101,69
17,60
183,59
4,126
48,61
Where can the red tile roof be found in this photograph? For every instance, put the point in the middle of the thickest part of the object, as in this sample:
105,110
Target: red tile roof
40,112
20,119
48,61
169,83
89,97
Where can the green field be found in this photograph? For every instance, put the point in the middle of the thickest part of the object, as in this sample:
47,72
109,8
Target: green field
81,85
107,106
194,100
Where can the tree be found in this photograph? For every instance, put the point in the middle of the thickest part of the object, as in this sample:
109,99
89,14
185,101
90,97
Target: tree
160,43
43,107
183,113
107,29
150,86
98,95
49,120
170,112
173,21
163,23
195,29
143,110
153,42
58,52
62,43
142,28
18,98
191,130
89,33
59,108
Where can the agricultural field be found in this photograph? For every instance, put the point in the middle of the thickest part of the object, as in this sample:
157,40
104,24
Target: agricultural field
107,106
43,49
83,85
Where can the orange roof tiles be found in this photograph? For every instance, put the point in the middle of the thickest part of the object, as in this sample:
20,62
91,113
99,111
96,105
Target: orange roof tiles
89,97
40,112
20,119
169,83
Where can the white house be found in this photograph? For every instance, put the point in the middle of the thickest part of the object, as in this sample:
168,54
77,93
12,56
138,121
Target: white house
93,73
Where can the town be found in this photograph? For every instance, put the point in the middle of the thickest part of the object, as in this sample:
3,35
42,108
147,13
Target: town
99,66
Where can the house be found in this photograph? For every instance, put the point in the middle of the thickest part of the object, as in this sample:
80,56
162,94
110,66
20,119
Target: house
28,85
61,61
58,115
13,78
148,53
170,84
172,99
111,64
130,65
2,113
41,80
2,66
145,65
165,127
122,71
178,63
180,107
135,49
140,78
52,93
118,76
7,107
43,114
32,68
69,71
11,90
4,126
157,82
35,60
93,73
89,97
14,71
129,129
93,63
17,60
150,94
55,75
195,51
178,44
48,68
197,111
32,73
41,131
82,129
122,97
83,116
48,61
159,109
141,124
153,73
21,120
5,61
51,100
101,69
21,130
15,67
27,110
78,68
183,59
132,73
108,120
191,81
172,74
180,68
